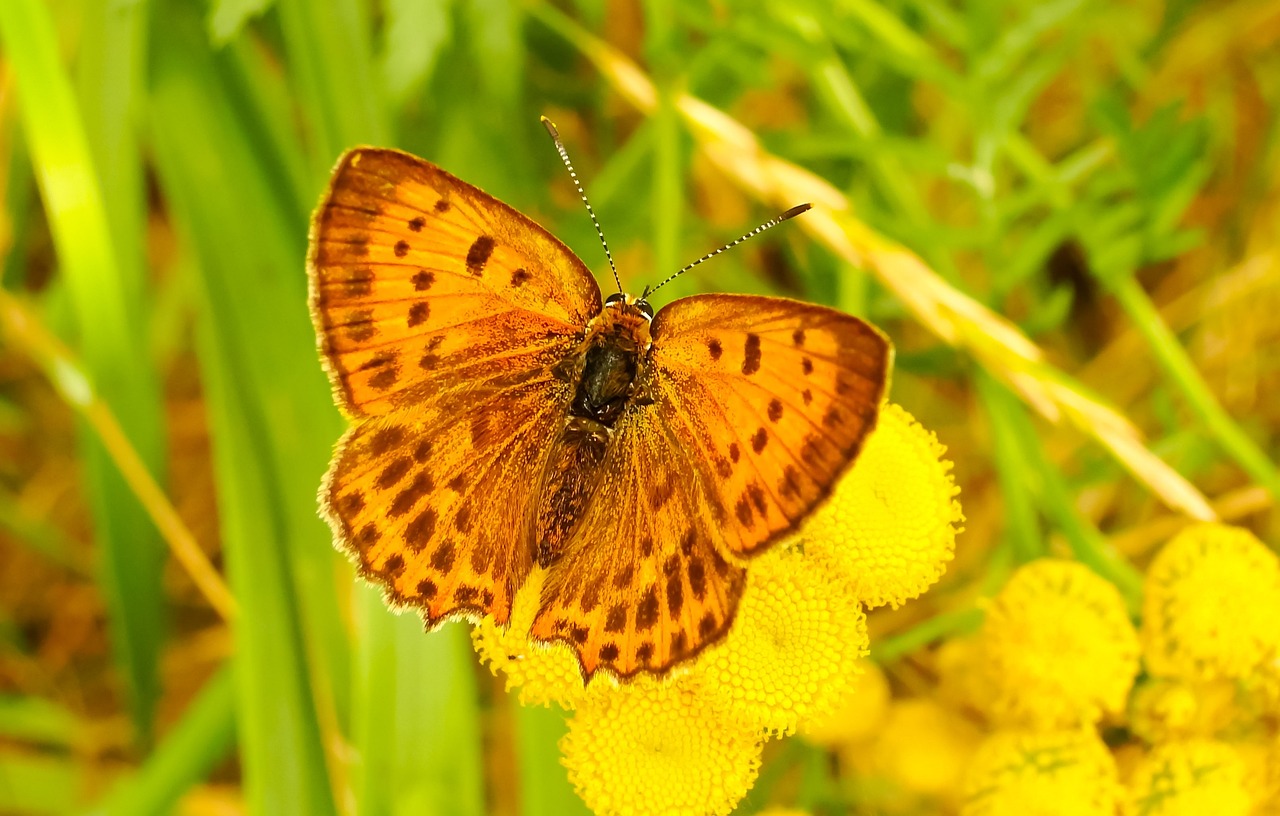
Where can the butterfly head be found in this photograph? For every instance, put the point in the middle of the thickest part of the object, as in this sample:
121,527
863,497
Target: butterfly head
623,303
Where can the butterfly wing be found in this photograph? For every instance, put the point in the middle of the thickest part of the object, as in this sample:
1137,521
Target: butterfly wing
441,313
422,284
754,407
774,397
641,585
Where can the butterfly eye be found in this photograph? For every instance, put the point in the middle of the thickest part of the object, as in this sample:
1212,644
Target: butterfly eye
644,306
616,297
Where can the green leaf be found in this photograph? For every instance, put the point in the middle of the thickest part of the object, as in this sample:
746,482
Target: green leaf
104,297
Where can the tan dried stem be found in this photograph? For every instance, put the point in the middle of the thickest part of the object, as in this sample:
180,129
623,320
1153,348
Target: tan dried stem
953,316
25,331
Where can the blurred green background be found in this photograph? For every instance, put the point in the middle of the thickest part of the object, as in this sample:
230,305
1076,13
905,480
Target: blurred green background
1103,174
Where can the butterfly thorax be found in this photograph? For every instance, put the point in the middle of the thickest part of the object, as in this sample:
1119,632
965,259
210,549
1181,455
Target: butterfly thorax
616,343
607,370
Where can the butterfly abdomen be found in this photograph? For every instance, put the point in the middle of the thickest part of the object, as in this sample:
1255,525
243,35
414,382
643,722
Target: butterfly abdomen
606,385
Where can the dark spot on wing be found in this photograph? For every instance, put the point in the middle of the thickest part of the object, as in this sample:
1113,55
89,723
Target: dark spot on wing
358,325
707,626
609,652
420,530
462,520
422,450
422,280
418,313
478,254
675,594
616,621
401,248
775,409
697,577
407,498
442,558
417,223
385,439
713,346
751,355
393,473
759,439
519,276
350,504
647,612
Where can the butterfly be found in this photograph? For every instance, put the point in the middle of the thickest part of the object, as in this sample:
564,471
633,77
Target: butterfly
506,420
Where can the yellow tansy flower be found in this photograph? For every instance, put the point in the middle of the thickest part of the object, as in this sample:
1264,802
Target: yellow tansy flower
891,524
541,673
1054,773
923,747
1059,647
1195,778
1212,602
794,647
1166,709
858,716
654,747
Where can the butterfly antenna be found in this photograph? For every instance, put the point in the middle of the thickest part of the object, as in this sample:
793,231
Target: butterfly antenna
786,216
564,157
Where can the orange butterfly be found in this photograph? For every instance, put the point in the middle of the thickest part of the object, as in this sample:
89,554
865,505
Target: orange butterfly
506,420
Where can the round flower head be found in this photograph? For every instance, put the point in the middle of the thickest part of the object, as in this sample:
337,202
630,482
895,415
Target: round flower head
1052,773
1059,647
858,715
890,526
1189,779
542,673
1212,602
1165,710
794,647
922,748
654,747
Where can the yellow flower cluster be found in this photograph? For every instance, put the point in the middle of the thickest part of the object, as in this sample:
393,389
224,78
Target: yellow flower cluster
794,649
1189,779
794,657
651,747
1211,607
541,674
1057,647
890,527
1026,773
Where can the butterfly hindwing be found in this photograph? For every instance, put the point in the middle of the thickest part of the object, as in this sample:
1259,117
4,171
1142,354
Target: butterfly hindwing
641,585
434,504
773,396
421,283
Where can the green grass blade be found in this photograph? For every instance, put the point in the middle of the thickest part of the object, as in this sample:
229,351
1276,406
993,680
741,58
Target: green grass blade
129,551
273,420
199,741
544,782
330,59
416,729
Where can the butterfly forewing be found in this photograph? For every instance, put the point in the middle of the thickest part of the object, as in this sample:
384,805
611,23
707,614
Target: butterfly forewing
421,283
641,585
775,397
